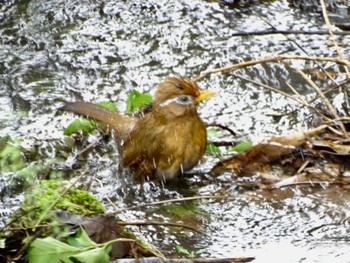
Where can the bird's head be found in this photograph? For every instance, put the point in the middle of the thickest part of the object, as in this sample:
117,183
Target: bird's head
179,96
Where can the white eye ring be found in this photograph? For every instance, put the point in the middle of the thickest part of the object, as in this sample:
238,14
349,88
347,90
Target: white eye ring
182,100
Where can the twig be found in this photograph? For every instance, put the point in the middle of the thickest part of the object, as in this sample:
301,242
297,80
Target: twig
301,48
286,32
89,146
304,102
184,260
265,60
300,101
303,166
331,34
108,199
224,143
157,223
272,89
332,129
310,183
184,199
223,127
326,101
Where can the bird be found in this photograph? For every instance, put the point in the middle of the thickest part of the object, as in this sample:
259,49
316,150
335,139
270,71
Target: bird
165,142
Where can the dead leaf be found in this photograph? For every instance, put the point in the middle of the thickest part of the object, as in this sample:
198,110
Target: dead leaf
100,229
261,154
336,147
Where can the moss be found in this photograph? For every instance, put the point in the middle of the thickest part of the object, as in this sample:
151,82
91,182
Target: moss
40,198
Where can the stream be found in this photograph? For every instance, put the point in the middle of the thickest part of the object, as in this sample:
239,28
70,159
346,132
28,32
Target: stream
99,50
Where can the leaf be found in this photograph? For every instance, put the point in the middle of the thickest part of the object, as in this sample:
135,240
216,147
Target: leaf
335,146
212,133
182,250
11,156
265,152
43,250
211,148
108,105
181,210
81,239
241,147
136,100
87,125
81,124
98,254
82,249
2,243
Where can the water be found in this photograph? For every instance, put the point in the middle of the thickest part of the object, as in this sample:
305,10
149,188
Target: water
54,51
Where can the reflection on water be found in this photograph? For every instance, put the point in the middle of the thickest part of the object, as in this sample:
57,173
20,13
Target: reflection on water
53,51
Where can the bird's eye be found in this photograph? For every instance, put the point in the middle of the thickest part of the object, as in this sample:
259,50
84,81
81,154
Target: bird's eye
184,100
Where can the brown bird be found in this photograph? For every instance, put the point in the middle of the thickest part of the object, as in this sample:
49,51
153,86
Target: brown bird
167,141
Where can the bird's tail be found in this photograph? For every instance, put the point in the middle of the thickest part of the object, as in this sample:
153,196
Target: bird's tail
122,124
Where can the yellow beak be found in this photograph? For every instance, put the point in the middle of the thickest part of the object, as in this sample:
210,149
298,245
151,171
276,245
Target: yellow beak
205,94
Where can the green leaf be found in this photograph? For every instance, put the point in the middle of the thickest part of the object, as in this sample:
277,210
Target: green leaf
211,148
81,239
137,100
183,250
48,249
11,156
87,125
190,254
98,254
43,250
241,147
81,124
212,132
180,210
2,243
108,105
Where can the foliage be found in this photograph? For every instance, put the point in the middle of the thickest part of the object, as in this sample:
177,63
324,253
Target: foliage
87,125
81,124
211,148
108,105
14,159
143,246
80,248
11,155
30,174
182,210
241,147
136,100
190,254
214,134
49,192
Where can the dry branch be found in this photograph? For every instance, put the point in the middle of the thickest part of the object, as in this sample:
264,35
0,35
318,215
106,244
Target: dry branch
157,223
183,260
265,60
331,34
184,199
326,101
287,32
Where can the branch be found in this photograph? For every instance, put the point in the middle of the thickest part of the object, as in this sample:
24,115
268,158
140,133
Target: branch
331,34
157,223
287,32
173,201
184,260
265,60
326,101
